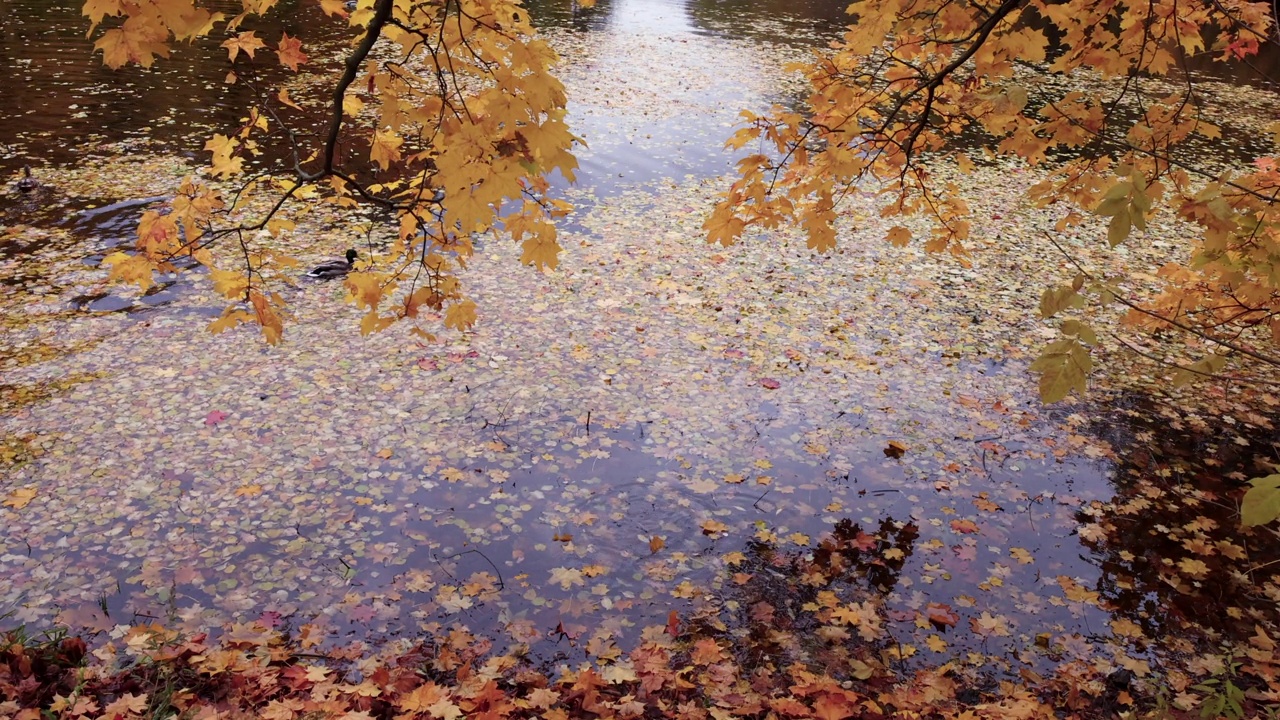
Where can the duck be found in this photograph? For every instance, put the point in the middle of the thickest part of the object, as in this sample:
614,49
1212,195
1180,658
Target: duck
334,268
27,183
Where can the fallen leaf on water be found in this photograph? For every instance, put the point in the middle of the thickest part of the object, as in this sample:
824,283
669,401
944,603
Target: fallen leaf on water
770,384
941,614
214,417
19,498
895,449
711,527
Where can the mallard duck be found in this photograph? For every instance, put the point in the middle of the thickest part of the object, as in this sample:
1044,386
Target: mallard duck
27,183
334,268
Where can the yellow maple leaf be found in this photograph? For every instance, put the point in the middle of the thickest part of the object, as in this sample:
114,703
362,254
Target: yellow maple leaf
245,42
460,315
130,269
283,97
1194,567
684,590
712,527
385,148
96,10
898,236
19,498
567,577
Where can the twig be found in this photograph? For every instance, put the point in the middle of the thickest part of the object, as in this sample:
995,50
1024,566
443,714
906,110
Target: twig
1275,362
1187,368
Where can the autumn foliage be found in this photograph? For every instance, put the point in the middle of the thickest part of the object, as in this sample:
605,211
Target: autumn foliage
455,109
909,78
460,123
910,81
808,640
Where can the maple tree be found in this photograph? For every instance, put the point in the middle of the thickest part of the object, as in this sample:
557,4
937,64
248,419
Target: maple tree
908,79
451,104
454,103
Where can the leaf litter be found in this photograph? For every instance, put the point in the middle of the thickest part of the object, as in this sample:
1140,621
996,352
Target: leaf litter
832,459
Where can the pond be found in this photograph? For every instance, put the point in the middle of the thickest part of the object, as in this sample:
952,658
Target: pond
656,426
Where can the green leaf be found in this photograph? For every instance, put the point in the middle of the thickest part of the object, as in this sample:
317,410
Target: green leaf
1055,300
1261,504
1118,229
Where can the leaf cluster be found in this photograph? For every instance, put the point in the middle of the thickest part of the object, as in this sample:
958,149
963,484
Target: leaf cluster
460,122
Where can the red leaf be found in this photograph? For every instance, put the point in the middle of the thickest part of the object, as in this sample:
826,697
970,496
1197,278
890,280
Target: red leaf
770,383
941,614
214,417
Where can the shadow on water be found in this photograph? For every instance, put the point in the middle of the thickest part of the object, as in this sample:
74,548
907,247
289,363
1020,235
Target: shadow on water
1174,557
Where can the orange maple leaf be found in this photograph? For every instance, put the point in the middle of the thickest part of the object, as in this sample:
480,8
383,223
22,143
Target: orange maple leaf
290,52
706,652
245,42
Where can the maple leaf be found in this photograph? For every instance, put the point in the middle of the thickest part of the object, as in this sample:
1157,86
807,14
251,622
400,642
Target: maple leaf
461,316
941,615
289,50
713,527
96,10
445,709
131,269
1063,367
988,624
541,251
127,704
20,498
567,577
898,236
895,449
706,652
1194,567
245,42
723,226
385,148
832,707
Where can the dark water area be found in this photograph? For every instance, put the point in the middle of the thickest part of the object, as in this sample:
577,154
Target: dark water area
1175,485
62,102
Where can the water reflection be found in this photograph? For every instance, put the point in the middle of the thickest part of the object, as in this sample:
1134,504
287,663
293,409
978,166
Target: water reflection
1174,557
62,103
